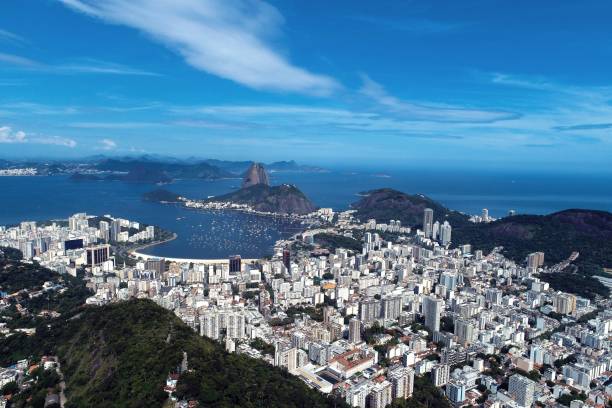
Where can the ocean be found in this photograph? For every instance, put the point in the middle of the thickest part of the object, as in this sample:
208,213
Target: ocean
207,234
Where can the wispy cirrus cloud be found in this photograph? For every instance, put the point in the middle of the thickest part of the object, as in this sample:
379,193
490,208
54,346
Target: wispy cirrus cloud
18,60
8,36
108,144
8,135
586,126
76,66
29,108
229,39
430,112
114,125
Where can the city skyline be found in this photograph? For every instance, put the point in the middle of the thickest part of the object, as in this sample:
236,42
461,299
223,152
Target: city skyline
517,85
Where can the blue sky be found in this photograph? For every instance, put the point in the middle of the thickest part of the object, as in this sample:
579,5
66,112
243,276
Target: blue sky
478,83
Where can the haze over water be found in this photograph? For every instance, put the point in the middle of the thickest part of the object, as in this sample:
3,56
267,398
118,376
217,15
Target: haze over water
216,235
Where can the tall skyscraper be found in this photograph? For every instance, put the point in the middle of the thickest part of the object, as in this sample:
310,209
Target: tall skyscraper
435,230
485,215
465,331
432,309
156,264
98,254
535,260
440,374
104,231
445,233
235,264
115,230
521,389
287,258
209,325
564,303
402,380
391,307
428,222
354,331
381,394
285,356
369,310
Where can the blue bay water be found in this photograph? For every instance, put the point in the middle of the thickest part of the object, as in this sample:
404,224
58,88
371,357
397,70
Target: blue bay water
203,234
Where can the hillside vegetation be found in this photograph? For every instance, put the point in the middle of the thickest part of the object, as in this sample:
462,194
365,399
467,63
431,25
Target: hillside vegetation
119,355
588,232
285,198
387,204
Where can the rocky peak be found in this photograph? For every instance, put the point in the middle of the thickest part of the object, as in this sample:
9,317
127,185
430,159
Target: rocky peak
256,174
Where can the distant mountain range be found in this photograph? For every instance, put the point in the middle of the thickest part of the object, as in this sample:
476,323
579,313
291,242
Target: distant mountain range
149,168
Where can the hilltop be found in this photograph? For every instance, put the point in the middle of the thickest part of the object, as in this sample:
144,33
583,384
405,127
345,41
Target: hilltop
257,193
161,195
388,204
256,174
122,353
285,199
586,231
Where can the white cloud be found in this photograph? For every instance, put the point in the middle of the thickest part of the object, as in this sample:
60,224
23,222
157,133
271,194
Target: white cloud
7,135
429,112
113,125
108,144
76,66
18,60
53,140
11,37
92,66
224,38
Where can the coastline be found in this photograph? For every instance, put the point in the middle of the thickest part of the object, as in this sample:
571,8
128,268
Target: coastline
150,244
202,261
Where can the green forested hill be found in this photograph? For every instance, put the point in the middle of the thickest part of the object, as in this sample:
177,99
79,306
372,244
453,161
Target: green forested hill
119,355
388,204
280,199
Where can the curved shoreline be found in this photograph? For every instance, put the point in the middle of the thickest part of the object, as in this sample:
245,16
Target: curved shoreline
150,244
136,254
189,260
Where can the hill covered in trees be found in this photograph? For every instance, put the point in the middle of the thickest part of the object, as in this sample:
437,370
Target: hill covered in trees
120,355
588,232
387,204
558,235
285,198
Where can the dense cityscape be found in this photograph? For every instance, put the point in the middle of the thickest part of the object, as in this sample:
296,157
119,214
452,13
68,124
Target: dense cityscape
364,325
305,204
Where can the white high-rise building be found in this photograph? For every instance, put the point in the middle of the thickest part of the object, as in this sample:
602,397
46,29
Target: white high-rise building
285,356
465,331
521,389
432,309
402,381
485,215
428,222
445,233
440,374
209,325
381,395
391,307
235,325
354,331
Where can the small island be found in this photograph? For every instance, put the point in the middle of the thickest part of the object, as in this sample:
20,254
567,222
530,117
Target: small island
161,195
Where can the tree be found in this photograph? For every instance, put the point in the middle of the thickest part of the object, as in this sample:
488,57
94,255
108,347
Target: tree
10,388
